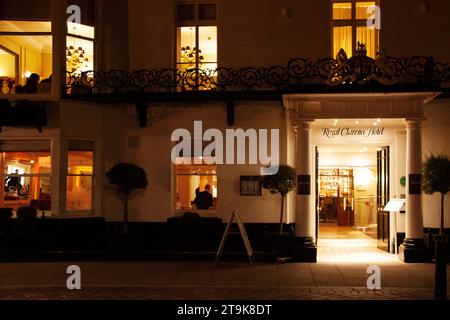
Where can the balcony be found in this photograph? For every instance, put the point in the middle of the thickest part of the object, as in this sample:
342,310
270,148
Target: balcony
359,73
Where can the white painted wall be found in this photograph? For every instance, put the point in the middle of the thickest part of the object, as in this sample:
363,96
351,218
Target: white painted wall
435,139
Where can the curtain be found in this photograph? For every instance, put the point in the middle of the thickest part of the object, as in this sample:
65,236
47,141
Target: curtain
342,38
366,35
342,11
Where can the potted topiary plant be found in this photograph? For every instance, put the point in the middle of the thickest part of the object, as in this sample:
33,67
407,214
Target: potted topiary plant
436,178
281,183
127,177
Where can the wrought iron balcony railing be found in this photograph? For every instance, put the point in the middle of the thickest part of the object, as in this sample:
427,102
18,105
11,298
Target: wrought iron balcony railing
357,73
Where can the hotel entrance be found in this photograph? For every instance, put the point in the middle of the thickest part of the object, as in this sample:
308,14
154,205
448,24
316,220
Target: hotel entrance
353,182
347,179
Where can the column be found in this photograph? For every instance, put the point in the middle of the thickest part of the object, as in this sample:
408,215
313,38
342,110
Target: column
413,248
304,248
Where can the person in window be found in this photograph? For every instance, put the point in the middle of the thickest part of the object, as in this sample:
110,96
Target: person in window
45,86
14,181
204,200
31,86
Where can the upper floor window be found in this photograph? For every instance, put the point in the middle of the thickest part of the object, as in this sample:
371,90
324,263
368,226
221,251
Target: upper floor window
25,56
349,26
80,41
196,35
25,46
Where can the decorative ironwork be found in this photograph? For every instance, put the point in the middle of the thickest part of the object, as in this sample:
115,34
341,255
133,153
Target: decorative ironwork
358,71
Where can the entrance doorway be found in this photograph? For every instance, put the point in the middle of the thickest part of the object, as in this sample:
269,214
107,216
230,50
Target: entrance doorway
347,199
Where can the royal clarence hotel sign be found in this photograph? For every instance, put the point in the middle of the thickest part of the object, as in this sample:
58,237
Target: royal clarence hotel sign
331,133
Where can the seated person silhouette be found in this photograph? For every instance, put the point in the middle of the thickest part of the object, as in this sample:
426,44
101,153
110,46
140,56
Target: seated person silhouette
203,200
31,85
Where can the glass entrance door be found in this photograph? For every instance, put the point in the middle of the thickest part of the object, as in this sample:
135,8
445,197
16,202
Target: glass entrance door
383,198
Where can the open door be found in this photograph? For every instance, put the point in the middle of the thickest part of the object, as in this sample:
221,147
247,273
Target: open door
317,194
383,198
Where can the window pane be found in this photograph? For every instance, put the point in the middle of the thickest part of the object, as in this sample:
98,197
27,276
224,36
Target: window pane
35,55
26,162
207,11
208,44
79,181
25,26
79,55
192,179
342,11
80,162
364,9
25,179
342,39
186,46
367,36
9,64
79,193
185,12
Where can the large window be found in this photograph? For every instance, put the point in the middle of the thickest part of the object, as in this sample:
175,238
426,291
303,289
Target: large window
193,179
196,36
80,174
349,26
25,172
25,56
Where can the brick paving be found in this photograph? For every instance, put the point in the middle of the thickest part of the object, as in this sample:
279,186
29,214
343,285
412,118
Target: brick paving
227,280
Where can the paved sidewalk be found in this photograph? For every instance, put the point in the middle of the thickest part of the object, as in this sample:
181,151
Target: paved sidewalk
203,280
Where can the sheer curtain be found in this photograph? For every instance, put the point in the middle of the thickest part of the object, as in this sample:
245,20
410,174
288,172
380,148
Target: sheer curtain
342,38
342,11
366,35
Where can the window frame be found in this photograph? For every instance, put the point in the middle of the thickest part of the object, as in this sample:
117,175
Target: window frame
35,96
91,211
196,24
49,175
353,23
174,188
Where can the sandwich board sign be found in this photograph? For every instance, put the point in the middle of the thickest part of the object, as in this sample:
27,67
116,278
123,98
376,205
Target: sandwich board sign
242,232
394,206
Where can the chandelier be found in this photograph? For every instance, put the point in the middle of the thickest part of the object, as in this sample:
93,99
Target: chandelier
188,55
75,58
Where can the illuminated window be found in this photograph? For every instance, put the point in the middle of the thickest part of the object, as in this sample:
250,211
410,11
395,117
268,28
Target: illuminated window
80,173
80,41
193,173
79,48
197,37
25,56
25,172
349,26
342,11
191,180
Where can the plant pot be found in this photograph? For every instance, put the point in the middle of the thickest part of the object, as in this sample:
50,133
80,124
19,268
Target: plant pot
440,276
281,244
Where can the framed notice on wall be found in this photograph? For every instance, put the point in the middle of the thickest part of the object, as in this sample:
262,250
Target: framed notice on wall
250,186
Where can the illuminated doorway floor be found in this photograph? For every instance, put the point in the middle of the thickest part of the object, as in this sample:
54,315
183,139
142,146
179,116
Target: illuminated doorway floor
341,244
333,231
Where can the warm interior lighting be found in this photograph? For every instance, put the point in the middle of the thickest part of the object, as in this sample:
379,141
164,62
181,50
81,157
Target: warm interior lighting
342,39
364,10
75,58
342,11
